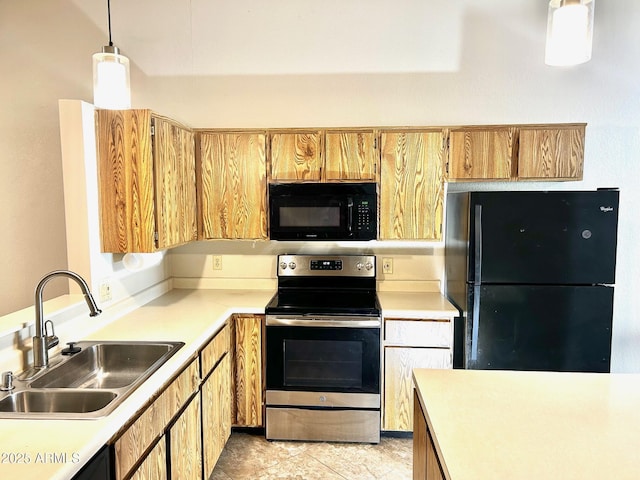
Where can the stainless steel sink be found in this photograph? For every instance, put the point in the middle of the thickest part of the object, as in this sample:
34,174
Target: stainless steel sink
57,401
105,365
87,384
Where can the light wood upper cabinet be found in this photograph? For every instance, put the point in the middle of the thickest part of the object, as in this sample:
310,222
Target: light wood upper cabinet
147,181
233,185
351,155
411,185
296,156
553,152
481,153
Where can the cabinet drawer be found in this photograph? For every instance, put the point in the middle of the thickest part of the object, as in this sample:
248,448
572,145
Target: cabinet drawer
133,443
182,388
419,332
215,350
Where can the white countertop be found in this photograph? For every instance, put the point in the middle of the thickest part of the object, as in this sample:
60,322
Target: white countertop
533,425
415,305
57,449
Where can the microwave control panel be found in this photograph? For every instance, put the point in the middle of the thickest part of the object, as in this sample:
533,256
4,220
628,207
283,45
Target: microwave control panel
365,218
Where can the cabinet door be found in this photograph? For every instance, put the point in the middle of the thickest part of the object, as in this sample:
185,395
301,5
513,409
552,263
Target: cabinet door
234,185
248,370
551,153
412,185
426,465
481,153
175,183
296,156
185,438
350,155
125,177
398,384
154,465
216,413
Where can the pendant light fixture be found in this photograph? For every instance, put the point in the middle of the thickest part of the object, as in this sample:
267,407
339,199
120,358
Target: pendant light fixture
111,88
569,32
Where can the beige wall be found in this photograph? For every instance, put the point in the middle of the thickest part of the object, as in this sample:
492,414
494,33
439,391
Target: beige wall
309,63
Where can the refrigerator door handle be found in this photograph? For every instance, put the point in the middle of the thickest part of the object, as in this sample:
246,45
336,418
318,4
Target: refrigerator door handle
477,259
475,322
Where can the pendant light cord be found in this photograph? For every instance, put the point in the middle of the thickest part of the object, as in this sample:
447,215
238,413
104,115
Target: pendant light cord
109,17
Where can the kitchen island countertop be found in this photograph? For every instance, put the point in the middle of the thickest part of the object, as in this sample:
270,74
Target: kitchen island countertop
532,425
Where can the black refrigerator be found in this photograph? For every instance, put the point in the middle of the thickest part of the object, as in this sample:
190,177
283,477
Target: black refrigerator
532,274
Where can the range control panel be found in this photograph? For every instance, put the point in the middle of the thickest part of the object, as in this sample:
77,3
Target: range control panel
327,265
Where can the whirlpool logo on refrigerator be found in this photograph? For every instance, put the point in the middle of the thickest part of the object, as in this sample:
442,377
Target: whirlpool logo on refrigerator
606,209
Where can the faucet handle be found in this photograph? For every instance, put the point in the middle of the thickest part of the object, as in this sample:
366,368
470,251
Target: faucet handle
46,329
7,382
51,340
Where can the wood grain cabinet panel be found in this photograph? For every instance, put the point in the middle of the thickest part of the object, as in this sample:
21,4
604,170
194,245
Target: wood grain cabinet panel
133,443
351,155
296,156
216,413
399,363
233,185
186,447
419,332
553,152
481,153
215,350
147,184
426,464
412,185
175,183
154,466
248,372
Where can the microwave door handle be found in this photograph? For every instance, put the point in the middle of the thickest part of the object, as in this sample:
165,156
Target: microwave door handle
350,215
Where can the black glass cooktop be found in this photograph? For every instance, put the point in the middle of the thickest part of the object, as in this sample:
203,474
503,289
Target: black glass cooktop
324,302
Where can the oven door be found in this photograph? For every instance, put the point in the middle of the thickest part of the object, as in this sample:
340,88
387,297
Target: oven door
323,355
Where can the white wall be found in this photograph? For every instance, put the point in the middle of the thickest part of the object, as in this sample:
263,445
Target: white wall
308,63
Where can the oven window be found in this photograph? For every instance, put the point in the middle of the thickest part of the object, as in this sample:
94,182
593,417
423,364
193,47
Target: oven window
309,216
328,359
322,362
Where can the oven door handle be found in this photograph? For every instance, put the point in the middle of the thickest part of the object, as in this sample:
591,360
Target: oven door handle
323,322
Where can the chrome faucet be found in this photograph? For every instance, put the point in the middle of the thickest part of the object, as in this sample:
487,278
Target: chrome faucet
42,341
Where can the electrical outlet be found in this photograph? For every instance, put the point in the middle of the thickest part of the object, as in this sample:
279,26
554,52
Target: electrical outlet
105,291
387,265
217,262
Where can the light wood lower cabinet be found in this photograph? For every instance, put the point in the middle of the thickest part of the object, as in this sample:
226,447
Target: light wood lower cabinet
154,465
248,372
409,344
426,465
132,445
216,398
185,443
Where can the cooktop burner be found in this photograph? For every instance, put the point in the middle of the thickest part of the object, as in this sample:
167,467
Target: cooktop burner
324,302
325,285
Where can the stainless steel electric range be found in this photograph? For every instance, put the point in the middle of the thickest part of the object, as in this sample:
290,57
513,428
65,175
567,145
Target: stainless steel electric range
323,350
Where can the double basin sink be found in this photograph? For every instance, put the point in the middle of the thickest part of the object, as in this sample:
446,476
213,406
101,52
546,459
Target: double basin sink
87,384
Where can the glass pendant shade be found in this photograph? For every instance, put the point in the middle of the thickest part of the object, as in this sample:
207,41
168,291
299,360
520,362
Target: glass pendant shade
569,32
111,88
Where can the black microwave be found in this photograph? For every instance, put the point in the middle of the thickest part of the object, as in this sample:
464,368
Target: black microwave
323,211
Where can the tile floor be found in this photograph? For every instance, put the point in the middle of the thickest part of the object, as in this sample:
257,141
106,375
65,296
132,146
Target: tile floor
249,456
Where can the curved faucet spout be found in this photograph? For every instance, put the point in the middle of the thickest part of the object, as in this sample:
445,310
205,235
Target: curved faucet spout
40,341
